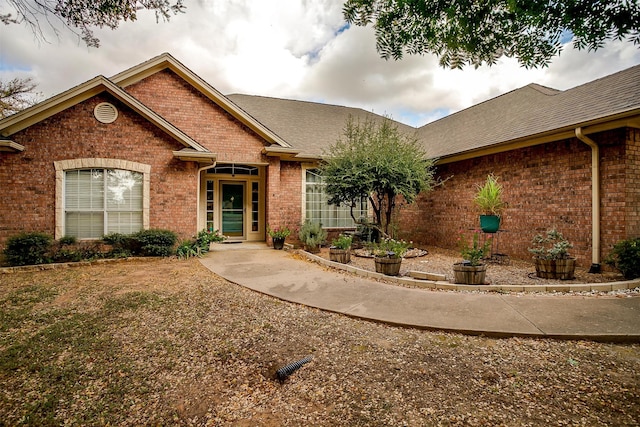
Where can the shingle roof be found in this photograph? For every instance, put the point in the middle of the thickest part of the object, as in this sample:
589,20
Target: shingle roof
530,111
308,126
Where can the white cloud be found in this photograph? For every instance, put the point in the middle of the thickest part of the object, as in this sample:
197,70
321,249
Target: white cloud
292,49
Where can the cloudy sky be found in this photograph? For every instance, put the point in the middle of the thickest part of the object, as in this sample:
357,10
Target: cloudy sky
297,49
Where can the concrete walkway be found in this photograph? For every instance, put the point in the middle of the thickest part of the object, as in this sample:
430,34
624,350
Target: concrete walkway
279,274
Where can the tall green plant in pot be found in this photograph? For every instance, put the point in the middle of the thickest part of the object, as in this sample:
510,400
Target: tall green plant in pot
312,235
489,201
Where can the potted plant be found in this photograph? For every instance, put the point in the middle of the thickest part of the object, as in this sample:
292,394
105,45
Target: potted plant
471,271
489,201
312,235
205,238
278,235
340,249
552,257
388,255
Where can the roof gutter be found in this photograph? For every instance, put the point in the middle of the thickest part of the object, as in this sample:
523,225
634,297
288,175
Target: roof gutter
595,199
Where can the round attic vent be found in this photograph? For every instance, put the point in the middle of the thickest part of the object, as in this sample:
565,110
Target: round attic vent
105,112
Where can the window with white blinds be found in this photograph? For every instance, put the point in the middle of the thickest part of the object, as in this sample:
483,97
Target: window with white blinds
318,209
102,201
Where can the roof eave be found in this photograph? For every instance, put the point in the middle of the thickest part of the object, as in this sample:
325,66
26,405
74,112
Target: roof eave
616,121
187,155
51,106
11,146
80,93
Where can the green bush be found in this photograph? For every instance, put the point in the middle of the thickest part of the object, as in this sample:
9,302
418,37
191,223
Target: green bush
204,238
28,249
312,235
117,240
67,240
154,242
122,245
626,258
187,249
342,242
64,251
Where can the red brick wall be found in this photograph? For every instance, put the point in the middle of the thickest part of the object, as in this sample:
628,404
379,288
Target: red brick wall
29,192
196,115
28,178
632,199
284,198
545,186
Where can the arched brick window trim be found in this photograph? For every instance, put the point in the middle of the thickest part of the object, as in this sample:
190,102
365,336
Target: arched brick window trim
97,163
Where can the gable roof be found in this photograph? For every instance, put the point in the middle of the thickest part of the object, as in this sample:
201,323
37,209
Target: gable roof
303,130
536,114
308,126
166,61
82,92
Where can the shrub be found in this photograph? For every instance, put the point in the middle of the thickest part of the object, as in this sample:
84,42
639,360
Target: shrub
342,242
28,249
312,235
187,249
67,240
154,242
117,240
389,248
64,254
553,246
279,232
204,238
77,251
626,258
474,251
122,245
367,232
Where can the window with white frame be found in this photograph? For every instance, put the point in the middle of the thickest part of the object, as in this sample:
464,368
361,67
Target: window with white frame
102,201
317,208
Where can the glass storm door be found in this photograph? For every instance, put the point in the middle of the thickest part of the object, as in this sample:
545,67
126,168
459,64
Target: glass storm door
233,210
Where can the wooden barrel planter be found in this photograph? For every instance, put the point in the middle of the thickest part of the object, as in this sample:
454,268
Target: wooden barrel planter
340,255
388,266
562,269
466,274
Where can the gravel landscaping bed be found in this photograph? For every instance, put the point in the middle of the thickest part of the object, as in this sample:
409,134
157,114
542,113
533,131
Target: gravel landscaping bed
440,261
166,342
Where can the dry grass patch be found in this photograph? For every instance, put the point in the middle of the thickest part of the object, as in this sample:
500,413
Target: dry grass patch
165,342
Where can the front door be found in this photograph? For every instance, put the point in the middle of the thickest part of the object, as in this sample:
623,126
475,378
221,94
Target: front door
233,209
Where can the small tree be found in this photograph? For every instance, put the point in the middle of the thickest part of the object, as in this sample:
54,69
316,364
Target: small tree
16,95
377,161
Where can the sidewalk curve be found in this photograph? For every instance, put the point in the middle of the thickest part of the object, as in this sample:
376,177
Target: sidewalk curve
279,274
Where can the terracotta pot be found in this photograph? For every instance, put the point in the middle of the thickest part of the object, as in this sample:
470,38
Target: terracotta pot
562,269
469,275
388,266
340,255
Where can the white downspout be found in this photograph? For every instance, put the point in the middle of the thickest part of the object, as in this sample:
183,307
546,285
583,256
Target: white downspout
595,199
199,191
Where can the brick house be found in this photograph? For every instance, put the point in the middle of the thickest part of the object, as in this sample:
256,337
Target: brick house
158,147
